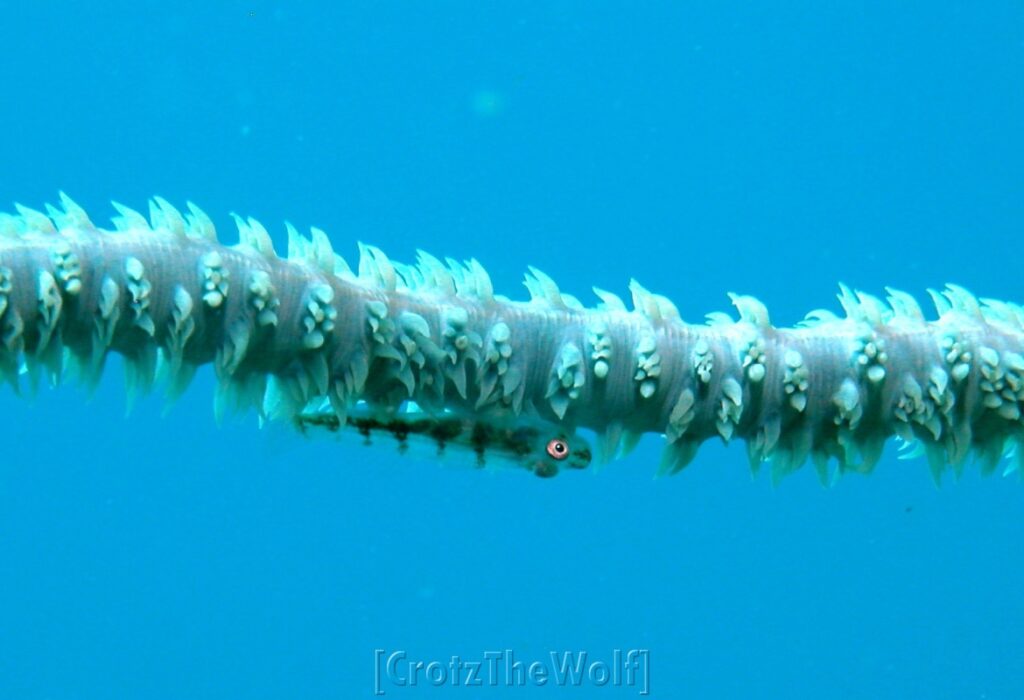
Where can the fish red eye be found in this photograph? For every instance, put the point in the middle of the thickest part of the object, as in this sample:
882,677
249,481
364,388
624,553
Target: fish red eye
558,448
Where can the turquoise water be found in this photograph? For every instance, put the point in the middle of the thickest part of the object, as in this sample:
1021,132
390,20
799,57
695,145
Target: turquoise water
772,151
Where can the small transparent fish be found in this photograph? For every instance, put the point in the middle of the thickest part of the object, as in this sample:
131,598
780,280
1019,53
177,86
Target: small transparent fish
536,446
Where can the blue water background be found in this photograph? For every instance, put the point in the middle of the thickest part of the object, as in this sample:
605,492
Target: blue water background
773,150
